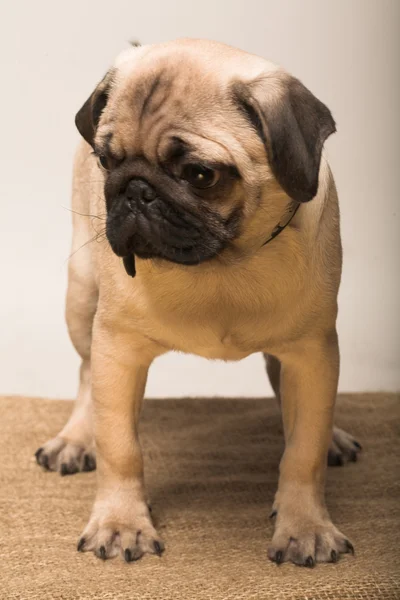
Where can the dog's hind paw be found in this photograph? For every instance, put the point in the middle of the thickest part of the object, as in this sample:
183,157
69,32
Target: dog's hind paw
344,448
65,457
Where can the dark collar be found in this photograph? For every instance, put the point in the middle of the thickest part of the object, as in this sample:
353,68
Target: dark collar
294,207
129,261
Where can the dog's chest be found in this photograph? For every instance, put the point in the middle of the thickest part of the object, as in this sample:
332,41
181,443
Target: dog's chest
210,338
213,319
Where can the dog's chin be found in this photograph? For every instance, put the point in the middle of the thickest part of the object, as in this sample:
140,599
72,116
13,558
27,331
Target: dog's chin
185,254
180,256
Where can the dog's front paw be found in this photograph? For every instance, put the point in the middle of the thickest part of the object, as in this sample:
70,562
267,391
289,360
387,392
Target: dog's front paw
58,454
306,538
126,531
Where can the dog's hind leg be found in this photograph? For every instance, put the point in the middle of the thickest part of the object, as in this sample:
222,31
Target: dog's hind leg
72,450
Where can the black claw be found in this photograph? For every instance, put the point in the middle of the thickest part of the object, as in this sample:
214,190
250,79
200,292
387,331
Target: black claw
349,547
89,463
309,562
334,556
128,555
67,469
81,544
158,549
279,557
45,462
353,456
357,445
37,454
137,554
103,555
273,514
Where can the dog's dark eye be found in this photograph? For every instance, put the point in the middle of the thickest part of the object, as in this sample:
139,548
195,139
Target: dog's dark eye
200,176
103,160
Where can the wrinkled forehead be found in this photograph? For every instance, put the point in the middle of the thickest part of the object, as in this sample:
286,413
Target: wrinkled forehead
160,82
163,92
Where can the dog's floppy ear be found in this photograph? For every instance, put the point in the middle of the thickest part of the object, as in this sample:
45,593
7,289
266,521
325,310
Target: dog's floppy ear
88,117
293,125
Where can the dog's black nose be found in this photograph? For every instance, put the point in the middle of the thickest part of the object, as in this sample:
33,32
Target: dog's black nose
139,189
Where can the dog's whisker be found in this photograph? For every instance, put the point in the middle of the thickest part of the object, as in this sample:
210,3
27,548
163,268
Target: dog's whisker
100,217
93,239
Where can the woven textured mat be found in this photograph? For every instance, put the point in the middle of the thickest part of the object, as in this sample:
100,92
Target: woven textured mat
211,470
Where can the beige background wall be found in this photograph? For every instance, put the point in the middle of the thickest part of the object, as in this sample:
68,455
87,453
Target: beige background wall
52,54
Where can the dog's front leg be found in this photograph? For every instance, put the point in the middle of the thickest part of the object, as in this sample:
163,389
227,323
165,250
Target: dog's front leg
120,520
304,533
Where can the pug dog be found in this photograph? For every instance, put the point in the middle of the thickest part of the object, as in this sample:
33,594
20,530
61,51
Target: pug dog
201,176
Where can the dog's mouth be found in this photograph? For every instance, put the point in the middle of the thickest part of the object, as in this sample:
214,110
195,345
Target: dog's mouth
158,230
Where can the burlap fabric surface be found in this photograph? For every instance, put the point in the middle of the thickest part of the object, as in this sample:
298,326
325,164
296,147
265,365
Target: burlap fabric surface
211,468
